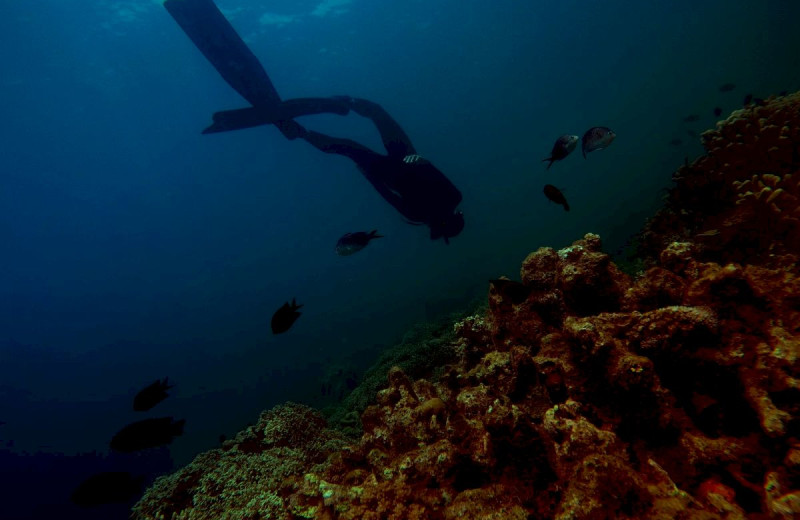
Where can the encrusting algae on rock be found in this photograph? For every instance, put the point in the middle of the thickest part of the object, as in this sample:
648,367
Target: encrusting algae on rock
582,393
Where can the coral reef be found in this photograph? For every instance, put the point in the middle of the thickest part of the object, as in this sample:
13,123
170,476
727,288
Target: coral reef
244,478
421,353
739,201
582,393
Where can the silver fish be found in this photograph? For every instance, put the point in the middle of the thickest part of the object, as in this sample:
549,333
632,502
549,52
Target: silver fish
597,138
562,148
354,242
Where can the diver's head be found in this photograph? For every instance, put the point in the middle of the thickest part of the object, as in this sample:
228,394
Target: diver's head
447,226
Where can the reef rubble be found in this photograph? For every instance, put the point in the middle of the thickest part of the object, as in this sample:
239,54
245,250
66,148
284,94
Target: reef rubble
582,393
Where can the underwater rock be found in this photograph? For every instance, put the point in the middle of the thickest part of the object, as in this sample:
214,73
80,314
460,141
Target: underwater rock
250,475
740,202
667,400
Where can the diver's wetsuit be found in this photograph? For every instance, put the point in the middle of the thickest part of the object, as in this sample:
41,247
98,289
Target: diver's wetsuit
414,186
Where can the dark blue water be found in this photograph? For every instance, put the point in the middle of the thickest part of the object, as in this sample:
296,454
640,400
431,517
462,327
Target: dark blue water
135,248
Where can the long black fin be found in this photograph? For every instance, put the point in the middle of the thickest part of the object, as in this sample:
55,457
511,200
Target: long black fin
227,120
216,38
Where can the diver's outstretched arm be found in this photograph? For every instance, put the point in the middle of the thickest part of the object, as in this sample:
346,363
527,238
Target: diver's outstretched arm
396,141
206,26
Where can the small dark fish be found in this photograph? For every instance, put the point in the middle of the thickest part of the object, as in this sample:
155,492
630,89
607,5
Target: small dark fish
759,102
145,434
727,87
676,142
285,317
747,99
354,242
596,138
691,133
691,118
783,93
554,194
151,395
109,487
2,423
221,438
717,111
563,146
516,292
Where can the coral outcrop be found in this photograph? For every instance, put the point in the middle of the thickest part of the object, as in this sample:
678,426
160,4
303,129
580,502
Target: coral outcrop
581,393
246,478
739,201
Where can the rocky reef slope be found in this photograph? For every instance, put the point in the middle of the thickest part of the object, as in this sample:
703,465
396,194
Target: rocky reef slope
582,393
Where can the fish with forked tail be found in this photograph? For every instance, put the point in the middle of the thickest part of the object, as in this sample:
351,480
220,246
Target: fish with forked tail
285,317
596,138
151,395
563,146
354,242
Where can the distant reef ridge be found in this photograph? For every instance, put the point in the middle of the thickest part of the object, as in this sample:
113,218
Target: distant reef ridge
582,392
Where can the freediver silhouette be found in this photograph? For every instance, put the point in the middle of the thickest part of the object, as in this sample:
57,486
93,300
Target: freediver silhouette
410,183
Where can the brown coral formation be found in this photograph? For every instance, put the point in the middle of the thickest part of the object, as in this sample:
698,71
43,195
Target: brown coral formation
248,476
740,200
582,393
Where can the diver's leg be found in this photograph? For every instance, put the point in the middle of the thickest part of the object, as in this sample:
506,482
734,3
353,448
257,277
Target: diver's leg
297,107
360,154
227,120
214,36
394,138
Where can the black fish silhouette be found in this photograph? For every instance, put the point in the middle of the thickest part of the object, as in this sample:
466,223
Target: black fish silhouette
151,395
727,87
284,317
554,194
145,434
